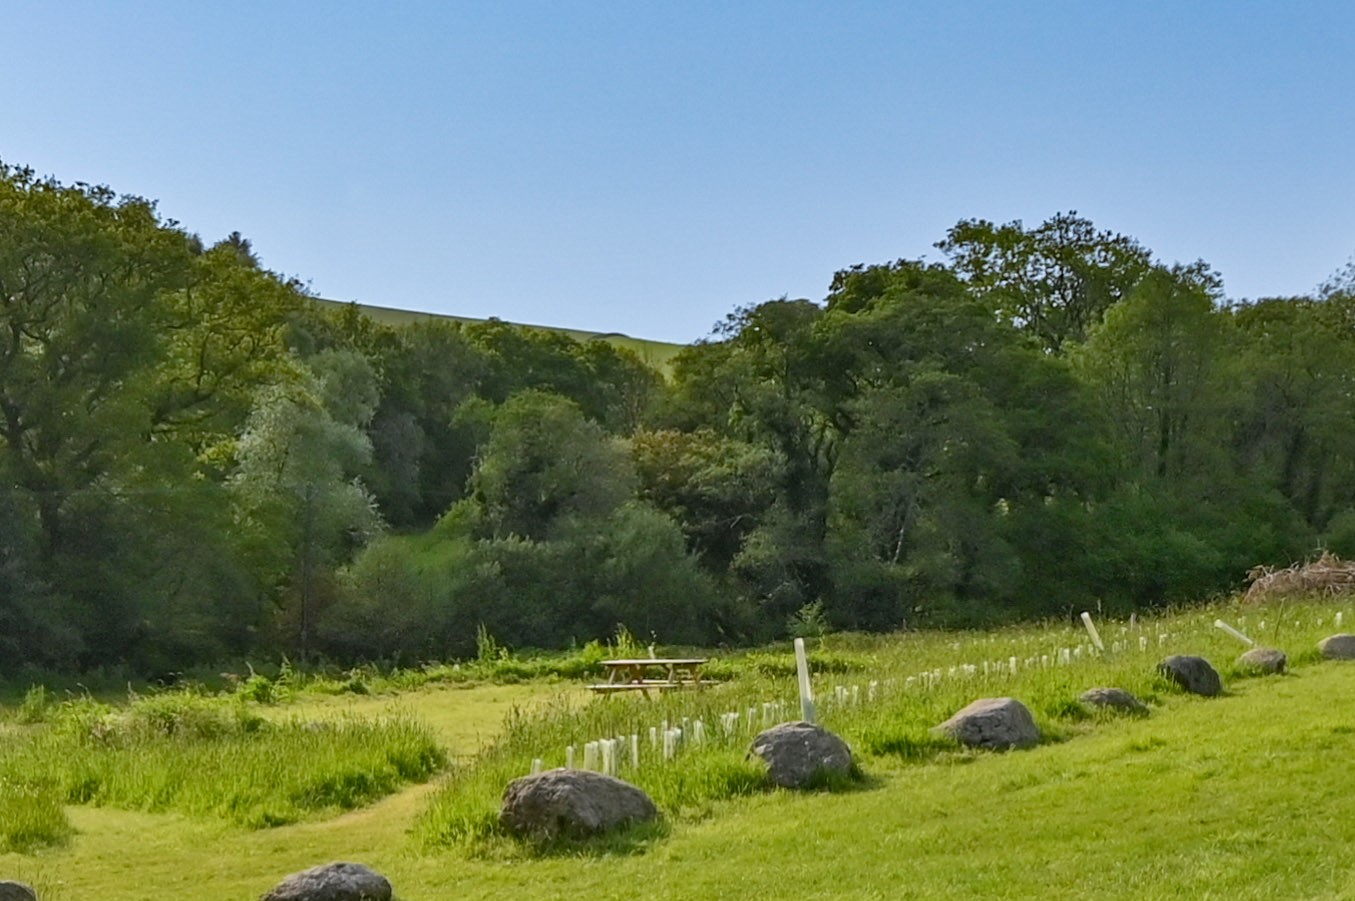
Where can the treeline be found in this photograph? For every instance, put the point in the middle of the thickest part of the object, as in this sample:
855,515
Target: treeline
199,462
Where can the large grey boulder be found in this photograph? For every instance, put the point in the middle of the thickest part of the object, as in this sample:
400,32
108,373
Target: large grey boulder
338,881
1266,661
1113,699
573,803
16,891
1338,647
1194,674
800,754
995,723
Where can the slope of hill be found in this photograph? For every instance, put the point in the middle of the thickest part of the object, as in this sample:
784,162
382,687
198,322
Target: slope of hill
658,354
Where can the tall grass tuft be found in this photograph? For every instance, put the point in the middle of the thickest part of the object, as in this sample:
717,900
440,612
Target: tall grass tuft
31,818
35,705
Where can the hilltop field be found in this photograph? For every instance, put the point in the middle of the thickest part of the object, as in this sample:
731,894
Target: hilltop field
657,354
1239,796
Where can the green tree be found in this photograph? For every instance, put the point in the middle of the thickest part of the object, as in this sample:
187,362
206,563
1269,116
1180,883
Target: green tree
1157,363
222,339
424,449
544,465
623,388
296,487
1296,431
955,429
1054,281
718,489
89,283
549,547
520,358
763,383
1191,515
83,275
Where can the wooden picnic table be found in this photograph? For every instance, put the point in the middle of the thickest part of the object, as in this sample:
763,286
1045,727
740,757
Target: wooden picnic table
651,674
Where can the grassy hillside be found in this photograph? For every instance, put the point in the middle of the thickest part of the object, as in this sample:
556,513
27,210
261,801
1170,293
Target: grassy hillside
1238,797
657,354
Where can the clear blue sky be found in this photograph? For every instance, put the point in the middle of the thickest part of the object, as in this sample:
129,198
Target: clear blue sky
646,167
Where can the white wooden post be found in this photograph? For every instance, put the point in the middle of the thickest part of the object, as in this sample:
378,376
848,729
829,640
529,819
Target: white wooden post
806,692
608,756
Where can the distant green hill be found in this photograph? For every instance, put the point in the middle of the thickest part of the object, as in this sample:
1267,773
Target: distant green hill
658,354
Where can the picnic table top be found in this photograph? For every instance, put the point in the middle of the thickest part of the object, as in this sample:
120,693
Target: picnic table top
657,661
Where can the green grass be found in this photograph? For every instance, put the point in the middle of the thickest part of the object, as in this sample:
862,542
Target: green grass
463,717
31,818
883,694
1239,796
209,757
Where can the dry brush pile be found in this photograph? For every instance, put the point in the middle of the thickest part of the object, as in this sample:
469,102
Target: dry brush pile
1328,575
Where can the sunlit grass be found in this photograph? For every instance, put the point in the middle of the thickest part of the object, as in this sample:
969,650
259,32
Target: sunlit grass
31,818
883,694
1232,797
211,757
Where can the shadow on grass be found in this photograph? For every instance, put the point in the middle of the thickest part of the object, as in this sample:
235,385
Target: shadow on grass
625,841
911,746
855,780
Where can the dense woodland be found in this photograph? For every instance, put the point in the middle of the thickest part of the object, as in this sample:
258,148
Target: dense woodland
199,462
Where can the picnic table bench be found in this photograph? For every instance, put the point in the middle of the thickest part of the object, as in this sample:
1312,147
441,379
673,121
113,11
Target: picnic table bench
646,674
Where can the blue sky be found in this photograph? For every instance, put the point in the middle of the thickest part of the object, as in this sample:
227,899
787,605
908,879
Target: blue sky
647,167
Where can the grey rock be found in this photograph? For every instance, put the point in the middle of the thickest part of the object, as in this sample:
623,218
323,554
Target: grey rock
573,803
1113,699
1268,661
16,891
338,881
799,754
1194,674
1338,647
994,723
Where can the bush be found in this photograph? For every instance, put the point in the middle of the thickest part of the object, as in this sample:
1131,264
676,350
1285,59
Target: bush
444,593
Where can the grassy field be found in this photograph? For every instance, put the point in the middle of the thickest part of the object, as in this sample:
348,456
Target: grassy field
1238,797
657,354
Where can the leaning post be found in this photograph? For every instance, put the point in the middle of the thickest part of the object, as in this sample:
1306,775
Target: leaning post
1091,630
